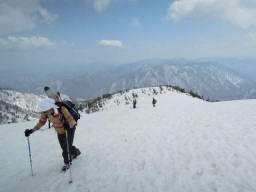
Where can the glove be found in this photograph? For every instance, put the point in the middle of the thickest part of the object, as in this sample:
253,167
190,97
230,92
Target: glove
28,132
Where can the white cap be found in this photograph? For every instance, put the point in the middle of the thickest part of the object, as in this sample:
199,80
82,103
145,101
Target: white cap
47,104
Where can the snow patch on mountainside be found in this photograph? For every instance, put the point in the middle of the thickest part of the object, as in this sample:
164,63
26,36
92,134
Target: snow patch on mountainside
236,81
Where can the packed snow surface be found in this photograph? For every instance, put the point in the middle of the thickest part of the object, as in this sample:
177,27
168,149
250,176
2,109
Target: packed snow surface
183,144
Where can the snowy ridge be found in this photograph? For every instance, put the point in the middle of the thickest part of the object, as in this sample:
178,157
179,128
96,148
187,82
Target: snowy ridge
17,106
27,101
183,145
123,98
12,113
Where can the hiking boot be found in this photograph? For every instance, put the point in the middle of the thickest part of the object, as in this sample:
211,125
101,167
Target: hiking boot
65,167
77,153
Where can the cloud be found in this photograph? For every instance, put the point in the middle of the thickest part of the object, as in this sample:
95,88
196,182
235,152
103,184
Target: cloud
22,15
114,43
238,12
25,42
46,16
101,5
252,36
136,23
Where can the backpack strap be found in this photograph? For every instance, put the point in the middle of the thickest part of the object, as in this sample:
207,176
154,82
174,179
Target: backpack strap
62,115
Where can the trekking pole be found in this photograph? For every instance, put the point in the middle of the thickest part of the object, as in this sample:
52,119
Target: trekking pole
29,151
69,158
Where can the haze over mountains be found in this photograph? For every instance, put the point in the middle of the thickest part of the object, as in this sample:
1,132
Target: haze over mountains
217,79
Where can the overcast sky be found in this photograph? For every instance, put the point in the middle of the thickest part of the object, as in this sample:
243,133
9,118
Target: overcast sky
60,33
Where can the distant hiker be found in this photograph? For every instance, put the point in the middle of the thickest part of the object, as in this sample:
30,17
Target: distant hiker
64,124
134,102
154,102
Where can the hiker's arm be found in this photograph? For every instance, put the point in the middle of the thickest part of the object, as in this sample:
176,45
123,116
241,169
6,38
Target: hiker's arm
68,117
41,123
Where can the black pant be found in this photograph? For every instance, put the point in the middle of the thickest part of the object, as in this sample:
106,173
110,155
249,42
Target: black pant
63,144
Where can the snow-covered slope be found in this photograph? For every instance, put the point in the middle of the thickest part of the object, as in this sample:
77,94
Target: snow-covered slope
183,144
110,101
16,106
26,101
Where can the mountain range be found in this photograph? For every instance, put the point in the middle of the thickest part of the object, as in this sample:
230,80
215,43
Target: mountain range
217,79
